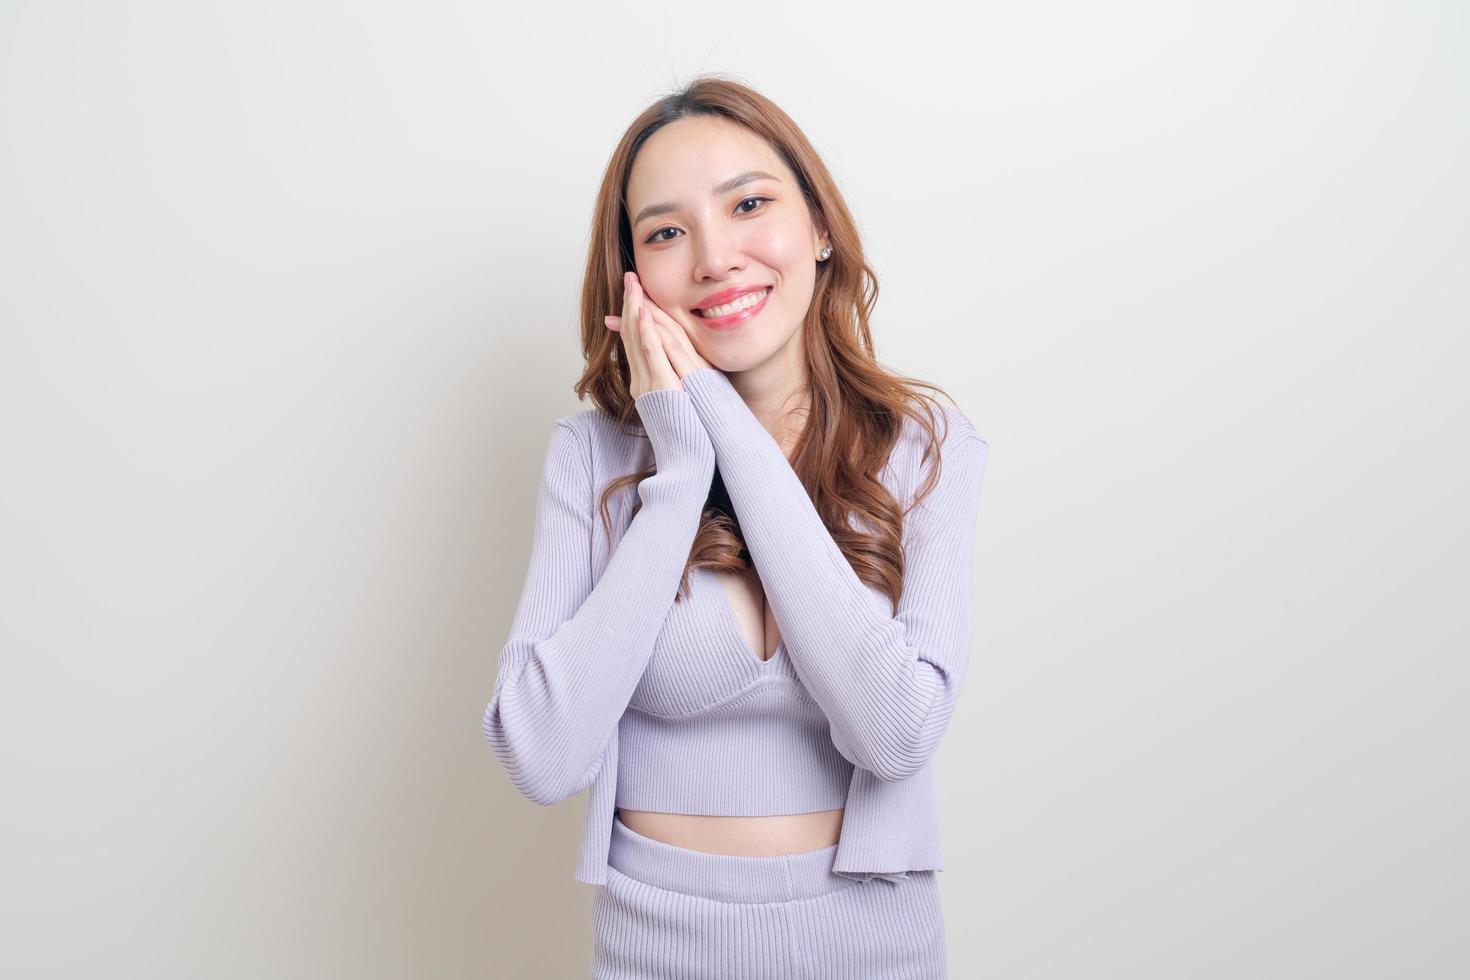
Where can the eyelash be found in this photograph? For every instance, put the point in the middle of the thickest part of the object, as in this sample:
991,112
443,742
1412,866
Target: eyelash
650,239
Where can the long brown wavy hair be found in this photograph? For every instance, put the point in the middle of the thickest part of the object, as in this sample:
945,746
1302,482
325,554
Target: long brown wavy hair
855,406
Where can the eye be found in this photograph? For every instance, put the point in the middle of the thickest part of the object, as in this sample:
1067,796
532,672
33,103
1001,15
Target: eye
737,207
653,238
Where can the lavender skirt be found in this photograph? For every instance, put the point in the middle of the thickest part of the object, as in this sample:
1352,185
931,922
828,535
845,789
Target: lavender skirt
673,913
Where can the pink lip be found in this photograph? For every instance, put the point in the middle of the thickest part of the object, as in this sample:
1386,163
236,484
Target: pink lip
726,295
734,319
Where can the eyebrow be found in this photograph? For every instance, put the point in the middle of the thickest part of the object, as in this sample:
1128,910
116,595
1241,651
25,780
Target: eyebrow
724,188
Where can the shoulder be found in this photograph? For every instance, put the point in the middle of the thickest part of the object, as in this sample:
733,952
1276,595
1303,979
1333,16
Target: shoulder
581,424
595,428
912,463
606,446
958,427
943,486
952,427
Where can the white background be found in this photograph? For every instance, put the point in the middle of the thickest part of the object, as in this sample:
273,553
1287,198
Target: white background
288,298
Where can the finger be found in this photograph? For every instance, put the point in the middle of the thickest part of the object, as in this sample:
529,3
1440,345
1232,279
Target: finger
661,369
633,350
638,335
648,338
681,354
632,297
674,333
661,316
677,343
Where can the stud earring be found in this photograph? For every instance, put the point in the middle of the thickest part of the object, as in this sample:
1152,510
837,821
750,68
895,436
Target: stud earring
824,253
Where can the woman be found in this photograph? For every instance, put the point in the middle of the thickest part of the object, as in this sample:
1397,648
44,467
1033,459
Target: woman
747,615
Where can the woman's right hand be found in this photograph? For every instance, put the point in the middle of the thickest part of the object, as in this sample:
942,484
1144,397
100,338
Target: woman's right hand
649,367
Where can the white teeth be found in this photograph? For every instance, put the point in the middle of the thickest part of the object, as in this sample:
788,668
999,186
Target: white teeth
742,303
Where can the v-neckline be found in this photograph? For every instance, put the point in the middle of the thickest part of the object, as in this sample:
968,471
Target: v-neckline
732,622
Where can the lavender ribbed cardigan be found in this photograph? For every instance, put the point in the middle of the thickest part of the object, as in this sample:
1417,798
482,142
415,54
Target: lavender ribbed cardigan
591,612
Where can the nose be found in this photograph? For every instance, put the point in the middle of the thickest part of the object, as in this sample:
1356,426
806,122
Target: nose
717,254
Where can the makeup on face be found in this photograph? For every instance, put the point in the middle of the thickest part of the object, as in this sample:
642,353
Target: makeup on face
732,307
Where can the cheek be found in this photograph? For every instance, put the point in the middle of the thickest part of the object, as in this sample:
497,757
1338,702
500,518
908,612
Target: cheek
786,250
778,246
657,281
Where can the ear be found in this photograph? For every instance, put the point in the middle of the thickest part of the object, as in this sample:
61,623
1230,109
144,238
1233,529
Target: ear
820,233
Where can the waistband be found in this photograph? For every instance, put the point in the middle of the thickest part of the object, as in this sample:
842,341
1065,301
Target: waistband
723,877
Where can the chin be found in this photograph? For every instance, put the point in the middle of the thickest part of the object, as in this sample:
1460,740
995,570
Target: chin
735,351
734,362
726,363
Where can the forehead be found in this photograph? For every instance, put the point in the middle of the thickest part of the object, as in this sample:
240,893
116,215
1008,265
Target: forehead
687,157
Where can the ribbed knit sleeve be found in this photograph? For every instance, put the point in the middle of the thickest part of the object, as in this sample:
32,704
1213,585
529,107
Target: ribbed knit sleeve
576,649
886,681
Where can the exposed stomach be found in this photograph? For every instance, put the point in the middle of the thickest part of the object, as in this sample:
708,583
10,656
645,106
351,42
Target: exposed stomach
788,833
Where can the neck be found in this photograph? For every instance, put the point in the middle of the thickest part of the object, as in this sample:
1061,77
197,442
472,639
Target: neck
775,393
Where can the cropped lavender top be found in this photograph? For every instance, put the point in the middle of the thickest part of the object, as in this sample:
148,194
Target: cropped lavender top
606,683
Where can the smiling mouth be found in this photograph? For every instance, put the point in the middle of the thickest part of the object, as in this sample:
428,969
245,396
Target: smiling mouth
737,305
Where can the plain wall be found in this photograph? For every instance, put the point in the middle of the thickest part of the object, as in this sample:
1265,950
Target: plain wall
288,311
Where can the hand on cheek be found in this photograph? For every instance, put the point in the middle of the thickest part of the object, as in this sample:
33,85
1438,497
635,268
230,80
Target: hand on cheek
677,341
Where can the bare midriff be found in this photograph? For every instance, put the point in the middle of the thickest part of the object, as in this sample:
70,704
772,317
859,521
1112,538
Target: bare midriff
788,833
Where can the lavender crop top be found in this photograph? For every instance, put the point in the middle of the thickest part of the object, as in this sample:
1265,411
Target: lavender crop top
607,684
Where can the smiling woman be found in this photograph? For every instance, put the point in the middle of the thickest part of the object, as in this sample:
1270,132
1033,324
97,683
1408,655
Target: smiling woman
747,616
726,217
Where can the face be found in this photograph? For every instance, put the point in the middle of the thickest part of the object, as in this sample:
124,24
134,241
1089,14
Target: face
712,238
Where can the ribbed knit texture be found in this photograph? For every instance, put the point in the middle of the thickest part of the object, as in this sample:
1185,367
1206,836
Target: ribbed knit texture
768,750
856,692
673,912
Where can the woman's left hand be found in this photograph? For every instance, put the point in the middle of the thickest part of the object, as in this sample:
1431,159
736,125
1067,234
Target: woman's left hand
677,344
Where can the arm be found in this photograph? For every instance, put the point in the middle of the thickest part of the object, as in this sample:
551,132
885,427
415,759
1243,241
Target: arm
886,682
577,649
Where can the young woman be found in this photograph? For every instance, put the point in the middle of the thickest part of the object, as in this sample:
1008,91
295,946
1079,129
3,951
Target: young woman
748,610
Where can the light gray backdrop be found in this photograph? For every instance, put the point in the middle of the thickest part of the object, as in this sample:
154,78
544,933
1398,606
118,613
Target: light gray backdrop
287,302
